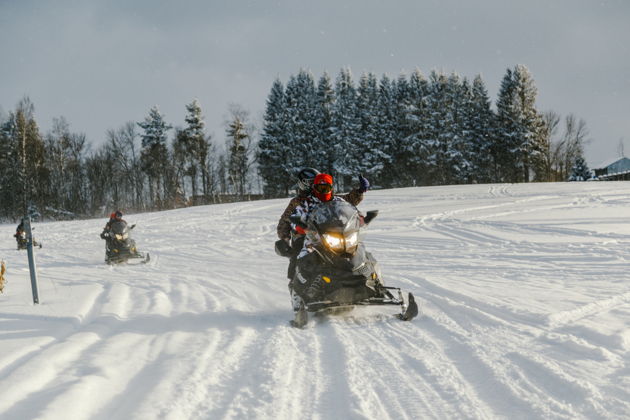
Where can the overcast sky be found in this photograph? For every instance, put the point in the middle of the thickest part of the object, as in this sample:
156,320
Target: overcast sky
102,63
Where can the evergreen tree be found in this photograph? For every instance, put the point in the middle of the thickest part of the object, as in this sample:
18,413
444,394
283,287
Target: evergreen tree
520,125
480,129
438,119
410,144
346,125
580,171
274,152
322,155
371,150
457,165
154,155
531,122
191,147
413,153
507,141
301,124
465,106
387,132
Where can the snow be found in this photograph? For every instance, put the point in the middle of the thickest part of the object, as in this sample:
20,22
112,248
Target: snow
523,289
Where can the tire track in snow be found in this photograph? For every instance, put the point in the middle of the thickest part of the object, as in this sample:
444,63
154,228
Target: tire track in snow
560,319
248,388
515,344
485,376
384,389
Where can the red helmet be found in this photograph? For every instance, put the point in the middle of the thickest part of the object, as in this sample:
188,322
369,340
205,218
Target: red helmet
323,187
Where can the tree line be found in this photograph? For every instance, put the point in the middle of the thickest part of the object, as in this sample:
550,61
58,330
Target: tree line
414,131
409,131
138,168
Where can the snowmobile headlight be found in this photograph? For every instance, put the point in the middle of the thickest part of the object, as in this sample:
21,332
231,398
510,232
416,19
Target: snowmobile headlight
122,237
334,242
352,240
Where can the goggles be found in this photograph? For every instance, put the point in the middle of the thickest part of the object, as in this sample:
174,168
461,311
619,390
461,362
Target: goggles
323,188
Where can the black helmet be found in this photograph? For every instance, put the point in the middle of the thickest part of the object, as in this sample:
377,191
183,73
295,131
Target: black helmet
118,214
305,178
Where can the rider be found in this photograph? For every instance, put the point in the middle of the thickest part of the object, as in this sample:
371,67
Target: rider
19,229
322,192
304,184
19,235
114,217
290,241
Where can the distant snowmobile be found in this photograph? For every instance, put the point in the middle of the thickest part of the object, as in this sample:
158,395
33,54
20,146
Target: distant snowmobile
22,242
340,273
119,246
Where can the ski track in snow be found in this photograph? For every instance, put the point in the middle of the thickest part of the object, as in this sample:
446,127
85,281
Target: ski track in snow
523,291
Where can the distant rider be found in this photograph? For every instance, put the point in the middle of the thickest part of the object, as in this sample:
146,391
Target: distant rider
114,217
19,230
19,236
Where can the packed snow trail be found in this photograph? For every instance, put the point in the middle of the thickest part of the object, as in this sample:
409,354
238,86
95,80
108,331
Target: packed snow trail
523,289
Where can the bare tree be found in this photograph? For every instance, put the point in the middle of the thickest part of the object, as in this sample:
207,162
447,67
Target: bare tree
240,148
124,151
550,122
574,137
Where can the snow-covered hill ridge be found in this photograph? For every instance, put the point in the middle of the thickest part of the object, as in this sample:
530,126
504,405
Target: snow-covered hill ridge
524,290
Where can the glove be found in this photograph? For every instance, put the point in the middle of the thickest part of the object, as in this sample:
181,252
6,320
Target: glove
364,184
104,235
282,248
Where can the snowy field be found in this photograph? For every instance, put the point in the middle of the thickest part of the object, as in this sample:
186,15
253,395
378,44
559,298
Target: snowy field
524,292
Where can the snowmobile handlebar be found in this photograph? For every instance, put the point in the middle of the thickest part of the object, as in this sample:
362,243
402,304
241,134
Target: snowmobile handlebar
369,216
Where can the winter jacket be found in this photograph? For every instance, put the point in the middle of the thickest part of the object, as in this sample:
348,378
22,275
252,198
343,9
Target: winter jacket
354,197
108,226
284,224
284,228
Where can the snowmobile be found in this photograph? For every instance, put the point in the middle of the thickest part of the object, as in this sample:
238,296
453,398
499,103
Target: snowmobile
22,242
119,246
339,273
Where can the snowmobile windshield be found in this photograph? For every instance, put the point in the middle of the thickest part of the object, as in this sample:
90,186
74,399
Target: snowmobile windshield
119,230
337,222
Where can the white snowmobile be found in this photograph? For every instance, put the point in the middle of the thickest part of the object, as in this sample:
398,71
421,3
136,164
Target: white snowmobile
339,273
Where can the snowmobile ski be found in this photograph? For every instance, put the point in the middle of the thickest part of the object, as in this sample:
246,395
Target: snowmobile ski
301,317
412,309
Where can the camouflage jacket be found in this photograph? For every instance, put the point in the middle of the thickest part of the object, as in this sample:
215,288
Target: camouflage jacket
284,228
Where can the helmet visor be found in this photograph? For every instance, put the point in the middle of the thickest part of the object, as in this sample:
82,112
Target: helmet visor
323,188
305,184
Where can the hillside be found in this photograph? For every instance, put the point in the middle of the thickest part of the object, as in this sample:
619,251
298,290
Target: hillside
524,292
